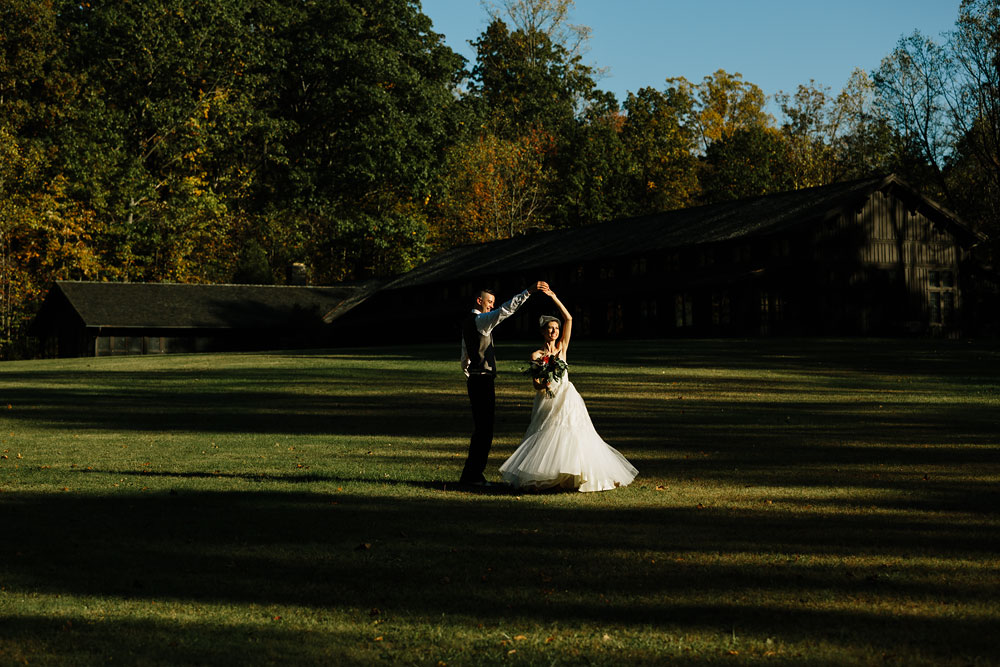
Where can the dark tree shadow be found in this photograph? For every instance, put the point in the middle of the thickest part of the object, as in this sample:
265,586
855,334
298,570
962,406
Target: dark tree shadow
497,563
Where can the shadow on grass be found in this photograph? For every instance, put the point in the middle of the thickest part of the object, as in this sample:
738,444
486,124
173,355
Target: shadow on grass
344,401
310,478
263,401
511,563
905,478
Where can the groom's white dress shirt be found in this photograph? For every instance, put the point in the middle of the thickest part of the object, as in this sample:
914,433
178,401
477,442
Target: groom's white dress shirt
485,322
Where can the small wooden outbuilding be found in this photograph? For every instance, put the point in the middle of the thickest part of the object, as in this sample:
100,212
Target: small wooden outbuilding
105,319
867,257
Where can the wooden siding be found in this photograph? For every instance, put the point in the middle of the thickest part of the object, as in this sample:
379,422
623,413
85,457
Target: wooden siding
887,244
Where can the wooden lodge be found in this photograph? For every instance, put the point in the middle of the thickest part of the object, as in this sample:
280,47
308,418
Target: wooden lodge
108,319
868,257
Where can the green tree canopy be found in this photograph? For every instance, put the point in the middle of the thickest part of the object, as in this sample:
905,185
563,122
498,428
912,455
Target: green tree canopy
748,162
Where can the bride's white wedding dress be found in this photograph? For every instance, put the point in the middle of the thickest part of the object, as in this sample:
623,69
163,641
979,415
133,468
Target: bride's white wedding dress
561,448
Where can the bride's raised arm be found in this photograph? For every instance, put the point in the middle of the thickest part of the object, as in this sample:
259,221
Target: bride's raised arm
567,321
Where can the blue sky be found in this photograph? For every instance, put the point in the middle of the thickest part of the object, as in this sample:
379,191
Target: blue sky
776,44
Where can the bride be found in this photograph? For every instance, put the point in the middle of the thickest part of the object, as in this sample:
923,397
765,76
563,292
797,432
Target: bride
561,448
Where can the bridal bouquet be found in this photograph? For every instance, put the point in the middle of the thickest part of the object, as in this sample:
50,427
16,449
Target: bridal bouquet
548,368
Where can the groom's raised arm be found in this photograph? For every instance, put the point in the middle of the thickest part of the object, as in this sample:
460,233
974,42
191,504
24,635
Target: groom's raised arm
485,322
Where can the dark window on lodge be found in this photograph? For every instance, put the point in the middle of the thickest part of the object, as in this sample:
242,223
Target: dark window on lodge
721,309
741,254
581,319
781,248
639,266
648,310
129,345
772,310
616,318
941,297
683,310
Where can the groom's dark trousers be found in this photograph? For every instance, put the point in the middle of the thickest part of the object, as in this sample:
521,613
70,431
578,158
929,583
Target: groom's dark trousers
482,395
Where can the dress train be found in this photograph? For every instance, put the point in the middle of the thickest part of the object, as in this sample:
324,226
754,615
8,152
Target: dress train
562,449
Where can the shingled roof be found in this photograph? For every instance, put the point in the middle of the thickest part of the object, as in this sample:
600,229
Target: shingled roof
188,306
744,218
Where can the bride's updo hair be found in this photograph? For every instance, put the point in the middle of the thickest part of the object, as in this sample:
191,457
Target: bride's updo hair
545,319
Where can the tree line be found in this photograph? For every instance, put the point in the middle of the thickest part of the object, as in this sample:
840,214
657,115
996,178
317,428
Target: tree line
225,140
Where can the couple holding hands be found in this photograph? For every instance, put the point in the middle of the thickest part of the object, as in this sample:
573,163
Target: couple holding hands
561,448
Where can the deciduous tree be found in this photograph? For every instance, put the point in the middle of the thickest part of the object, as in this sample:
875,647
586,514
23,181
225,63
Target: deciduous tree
746,163
494,188
720,105
661,147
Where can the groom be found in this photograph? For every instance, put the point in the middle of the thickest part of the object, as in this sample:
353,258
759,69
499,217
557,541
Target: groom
480,367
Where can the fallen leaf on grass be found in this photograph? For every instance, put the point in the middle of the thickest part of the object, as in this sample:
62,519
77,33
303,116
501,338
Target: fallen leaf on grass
364,546
519,638
661,487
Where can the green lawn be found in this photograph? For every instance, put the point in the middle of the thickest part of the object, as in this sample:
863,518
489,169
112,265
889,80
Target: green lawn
824,502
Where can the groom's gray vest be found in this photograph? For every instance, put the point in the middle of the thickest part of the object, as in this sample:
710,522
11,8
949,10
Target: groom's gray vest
482,360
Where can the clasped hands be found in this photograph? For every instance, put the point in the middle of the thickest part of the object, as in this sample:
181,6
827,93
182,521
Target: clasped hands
543,287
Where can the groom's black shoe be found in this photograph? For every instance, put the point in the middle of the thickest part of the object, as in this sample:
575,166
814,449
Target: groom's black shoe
472,481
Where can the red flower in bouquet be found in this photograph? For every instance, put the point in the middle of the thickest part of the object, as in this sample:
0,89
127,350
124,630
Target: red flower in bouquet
547,369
